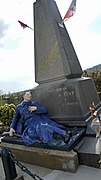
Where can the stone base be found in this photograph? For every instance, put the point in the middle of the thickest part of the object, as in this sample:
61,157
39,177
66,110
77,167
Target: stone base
68,100
53,159
89,151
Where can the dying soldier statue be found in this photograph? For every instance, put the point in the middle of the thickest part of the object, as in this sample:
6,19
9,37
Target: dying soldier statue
31,121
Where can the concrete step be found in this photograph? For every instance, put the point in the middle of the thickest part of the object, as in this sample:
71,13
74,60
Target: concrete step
88,151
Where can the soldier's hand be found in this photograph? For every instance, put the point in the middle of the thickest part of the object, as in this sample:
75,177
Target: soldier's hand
32,108
11,132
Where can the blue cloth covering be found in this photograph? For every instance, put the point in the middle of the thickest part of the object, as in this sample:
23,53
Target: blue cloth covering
34,126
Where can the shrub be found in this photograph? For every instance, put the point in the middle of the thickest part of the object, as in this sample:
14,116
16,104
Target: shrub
6,113
0,100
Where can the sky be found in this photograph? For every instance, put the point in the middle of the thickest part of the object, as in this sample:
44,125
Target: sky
17,44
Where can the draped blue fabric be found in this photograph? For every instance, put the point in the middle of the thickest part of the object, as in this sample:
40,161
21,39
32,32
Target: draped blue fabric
34,126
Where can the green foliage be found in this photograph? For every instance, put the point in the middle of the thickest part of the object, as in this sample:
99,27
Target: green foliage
6,113
14,98
0,100
96,76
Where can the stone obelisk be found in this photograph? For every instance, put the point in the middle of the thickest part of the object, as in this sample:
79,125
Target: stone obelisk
57,69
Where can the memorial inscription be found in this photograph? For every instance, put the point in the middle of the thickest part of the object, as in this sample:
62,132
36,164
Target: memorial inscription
65,99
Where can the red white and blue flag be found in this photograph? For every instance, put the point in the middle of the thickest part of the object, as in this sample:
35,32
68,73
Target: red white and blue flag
71,10
23,25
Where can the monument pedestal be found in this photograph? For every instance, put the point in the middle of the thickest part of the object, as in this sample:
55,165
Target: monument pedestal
68,100
53,159
86,152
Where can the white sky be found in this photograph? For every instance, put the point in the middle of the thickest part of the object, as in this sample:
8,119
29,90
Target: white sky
17,44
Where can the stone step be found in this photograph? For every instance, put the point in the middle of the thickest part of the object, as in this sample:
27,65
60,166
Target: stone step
88,151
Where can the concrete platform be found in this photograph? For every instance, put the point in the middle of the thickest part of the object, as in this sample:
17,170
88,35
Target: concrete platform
83,173
53,159
86,152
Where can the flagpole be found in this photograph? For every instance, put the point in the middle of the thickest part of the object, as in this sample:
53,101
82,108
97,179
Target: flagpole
62,22
30,28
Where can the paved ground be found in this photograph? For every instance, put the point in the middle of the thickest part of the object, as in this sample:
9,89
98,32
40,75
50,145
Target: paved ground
83,173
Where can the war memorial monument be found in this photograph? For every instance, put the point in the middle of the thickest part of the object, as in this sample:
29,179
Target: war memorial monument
64,91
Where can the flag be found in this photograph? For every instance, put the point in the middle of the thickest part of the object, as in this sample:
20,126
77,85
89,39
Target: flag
71,10
24,25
